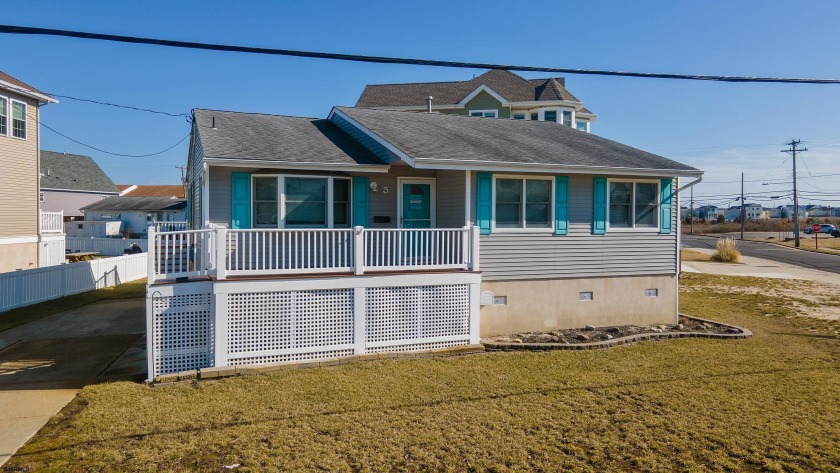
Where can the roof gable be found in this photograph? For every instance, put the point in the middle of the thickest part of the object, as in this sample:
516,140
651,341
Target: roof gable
10,83
509,87
74,172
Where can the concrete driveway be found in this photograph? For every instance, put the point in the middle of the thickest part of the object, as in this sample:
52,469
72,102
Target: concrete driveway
43,364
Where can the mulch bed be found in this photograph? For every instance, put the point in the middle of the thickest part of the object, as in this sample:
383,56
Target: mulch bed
590,334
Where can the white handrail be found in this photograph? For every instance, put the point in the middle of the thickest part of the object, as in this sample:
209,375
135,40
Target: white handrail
223,252
52,222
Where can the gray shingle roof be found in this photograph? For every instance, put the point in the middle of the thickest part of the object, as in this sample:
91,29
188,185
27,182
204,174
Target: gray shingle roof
461,139
298,140
512,87
120,203
73,172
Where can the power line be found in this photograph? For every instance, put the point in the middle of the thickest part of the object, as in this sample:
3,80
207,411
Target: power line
129,107
26,30
110,152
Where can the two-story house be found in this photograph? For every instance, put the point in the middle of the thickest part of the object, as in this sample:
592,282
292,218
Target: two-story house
494,94
70,182
22,230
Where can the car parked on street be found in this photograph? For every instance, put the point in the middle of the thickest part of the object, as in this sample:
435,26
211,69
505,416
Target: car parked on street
824,228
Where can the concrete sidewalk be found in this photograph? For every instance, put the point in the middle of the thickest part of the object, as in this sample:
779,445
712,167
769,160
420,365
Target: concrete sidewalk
757,267
43,364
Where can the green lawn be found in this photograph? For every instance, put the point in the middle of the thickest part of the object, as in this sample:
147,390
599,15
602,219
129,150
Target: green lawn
769,403
34,312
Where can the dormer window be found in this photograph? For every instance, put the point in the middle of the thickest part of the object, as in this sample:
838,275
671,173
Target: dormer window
550,116
567,118
484,113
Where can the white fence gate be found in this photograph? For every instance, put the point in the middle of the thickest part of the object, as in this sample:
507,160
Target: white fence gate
30,286
104,246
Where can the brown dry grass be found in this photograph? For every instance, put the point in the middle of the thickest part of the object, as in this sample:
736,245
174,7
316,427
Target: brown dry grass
727,251
764,404
691,255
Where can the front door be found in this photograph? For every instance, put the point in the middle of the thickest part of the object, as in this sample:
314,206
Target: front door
417,196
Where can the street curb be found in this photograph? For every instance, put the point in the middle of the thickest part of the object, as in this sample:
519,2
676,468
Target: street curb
640,337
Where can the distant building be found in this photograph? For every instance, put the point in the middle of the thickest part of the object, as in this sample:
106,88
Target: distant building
137,214
70,182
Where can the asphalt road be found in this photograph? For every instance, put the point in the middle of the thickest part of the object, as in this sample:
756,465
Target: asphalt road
805,259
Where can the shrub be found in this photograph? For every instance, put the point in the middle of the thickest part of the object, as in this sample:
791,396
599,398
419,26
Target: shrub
727,251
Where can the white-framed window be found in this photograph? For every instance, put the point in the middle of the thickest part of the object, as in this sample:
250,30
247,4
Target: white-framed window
484,113
294,201
4,116
567,118
633,204
523,202
18,119
550,115
580,125
518,116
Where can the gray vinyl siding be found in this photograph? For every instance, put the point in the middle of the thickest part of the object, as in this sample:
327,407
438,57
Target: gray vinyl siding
507,256
451,198
450,194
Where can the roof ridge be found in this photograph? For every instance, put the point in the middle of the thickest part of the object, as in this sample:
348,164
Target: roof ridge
256,113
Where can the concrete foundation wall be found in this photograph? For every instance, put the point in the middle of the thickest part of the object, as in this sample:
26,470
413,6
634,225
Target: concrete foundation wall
18,256
550,304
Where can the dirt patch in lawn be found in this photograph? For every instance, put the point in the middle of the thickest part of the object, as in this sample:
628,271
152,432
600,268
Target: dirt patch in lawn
802,298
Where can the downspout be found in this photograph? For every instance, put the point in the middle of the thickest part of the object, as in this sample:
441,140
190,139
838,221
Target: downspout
679,236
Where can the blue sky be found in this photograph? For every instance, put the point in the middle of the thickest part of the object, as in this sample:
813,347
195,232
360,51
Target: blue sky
724,129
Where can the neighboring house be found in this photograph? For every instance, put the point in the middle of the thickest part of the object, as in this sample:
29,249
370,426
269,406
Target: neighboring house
28,239
819,211
173,191
376,230
773,213
494,94
70,182
751,212
135,213
709,212
787,211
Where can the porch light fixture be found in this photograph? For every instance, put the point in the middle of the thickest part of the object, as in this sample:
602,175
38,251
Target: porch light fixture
374,187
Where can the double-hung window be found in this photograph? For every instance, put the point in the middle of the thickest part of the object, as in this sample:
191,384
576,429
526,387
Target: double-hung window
567,118
484,113
4,116
633,204
18,119
523,203
301,202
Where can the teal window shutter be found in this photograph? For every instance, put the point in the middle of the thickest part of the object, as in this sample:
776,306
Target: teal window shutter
240,198
561,205
665,206
599,210
361,201
484,202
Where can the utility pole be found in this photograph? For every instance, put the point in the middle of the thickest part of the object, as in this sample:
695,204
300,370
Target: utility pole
743,207
691,210
793,144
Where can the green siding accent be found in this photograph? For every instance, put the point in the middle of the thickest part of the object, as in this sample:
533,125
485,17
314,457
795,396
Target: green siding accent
561,205
361,201
240,198
665,206
484,201
599,206
485,101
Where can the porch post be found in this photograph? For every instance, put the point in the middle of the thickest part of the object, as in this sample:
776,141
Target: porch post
474,242
359,320
221,252
475,313
219,309
151,250
359,250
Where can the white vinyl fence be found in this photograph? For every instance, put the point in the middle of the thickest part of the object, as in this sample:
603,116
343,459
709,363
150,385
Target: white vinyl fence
104,246
30,286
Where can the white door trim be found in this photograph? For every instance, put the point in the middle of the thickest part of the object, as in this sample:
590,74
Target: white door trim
417,180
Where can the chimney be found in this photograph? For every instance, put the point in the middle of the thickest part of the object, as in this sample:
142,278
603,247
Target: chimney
429,104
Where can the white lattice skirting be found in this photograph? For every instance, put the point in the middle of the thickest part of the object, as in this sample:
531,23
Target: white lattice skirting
237,323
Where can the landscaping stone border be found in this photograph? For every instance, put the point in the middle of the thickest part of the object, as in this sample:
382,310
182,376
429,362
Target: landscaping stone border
640,337
230,371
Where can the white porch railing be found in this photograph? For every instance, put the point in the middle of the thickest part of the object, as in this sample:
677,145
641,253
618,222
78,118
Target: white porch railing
171,226
222,253
52,222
